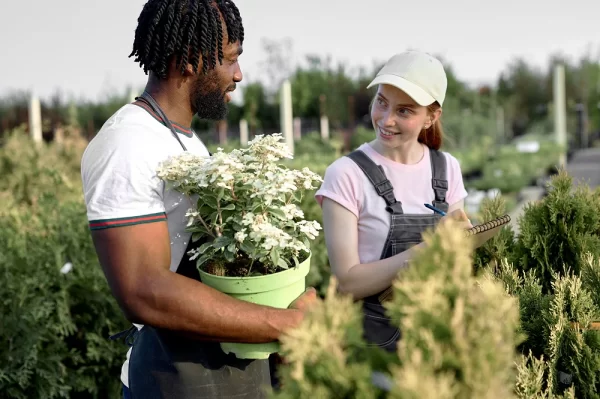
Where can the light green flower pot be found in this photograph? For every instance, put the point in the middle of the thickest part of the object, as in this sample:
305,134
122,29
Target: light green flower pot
277,290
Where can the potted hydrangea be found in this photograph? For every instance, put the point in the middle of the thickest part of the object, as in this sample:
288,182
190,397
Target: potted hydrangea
256,242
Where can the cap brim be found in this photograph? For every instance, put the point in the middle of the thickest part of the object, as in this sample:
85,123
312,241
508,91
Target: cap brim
419,95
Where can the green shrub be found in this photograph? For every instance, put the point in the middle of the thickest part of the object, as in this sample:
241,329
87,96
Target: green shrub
557,330
28,170
553,268
559,231
55,325
459,336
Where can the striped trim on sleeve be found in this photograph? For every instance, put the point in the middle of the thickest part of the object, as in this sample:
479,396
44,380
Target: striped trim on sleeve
128,221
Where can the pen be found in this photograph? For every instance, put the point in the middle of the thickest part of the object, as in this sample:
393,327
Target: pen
436,210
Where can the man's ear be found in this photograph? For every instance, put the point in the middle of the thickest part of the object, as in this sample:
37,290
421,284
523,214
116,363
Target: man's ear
189,69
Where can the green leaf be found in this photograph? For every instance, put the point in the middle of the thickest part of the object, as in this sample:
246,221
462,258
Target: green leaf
220,194
204,247
203,209
274,255
196,228
248,247
210,200
227,216
221,242
297,196
229,255
228,207
283,264
306,242
277,212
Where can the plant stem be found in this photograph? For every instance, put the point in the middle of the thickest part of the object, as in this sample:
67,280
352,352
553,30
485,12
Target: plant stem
220,218
233,192
250,268
207,228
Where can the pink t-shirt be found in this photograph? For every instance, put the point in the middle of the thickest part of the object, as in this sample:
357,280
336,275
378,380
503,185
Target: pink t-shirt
345,183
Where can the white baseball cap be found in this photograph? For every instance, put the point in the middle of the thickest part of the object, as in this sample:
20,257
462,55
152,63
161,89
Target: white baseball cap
418,74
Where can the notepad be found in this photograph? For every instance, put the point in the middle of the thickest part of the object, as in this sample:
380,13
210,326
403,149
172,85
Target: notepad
485,231
481,234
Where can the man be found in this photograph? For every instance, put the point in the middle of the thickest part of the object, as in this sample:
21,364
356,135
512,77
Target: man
190,49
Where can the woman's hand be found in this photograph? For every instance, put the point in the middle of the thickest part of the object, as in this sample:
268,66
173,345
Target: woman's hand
459,216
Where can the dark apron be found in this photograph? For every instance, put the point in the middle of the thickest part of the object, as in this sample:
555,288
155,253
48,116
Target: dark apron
405,231
166,365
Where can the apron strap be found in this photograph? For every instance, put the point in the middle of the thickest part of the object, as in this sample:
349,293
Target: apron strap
147,98
439,181
379,180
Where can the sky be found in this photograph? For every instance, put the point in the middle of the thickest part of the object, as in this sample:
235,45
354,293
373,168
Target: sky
81,48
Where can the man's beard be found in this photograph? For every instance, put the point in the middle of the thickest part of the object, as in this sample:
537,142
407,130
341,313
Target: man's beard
208,100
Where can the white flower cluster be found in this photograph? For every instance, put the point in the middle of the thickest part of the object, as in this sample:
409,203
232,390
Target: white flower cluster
178,171
247,196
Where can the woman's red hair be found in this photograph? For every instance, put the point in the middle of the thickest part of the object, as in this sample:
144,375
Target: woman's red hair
434,136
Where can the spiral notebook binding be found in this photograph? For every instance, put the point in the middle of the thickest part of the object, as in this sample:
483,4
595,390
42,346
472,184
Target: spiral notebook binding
492,224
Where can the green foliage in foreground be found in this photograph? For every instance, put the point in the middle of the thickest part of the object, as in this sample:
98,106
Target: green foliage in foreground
489,327
56,325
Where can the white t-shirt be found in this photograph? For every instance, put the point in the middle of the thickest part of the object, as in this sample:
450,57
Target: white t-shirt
120,185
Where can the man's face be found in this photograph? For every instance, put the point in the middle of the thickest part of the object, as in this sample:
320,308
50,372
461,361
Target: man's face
210,93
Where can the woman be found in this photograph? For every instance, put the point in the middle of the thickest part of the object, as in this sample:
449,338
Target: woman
373,199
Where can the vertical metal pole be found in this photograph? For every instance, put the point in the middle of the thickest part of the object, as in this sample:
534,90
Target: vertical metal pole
287,124
560,112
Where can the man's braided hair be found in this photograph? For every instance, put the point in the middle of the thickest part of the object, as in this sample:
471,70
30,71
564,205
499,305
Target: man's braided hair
184,29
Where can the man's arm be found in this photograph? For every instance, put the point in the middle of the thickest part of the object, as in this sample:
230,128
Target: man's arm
135,260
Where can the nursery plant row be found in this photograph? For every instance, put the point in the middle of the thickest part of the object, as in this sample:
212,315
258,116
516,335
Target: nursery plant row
58,311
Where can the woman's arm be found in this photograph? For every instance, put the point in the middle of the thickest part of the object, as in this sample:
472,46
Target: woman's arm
341,236
460,205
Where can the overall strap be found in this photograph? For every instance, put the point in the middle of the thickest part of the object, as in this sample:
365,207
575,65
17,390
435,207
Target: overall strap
377,177
439,181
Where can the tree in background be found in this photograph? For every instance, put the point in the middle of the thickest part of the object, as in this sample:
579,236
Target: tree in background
519,102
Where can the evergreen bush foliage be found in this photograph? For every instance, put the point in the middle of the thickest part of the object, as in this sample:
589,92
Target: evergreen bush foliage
459,334
553,268
55,324
515,320
559,230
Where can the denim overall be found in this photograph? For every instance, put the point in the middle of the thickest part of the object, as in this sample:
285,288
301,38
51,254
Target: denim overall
405,231
166,365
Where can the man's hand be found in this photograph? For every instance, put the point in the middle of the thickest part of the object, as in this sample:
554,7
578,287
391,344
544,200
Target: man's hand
305,301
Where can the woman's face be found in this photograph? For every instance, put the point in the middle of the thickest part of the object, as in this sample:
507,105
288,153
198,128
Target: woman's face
397,118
